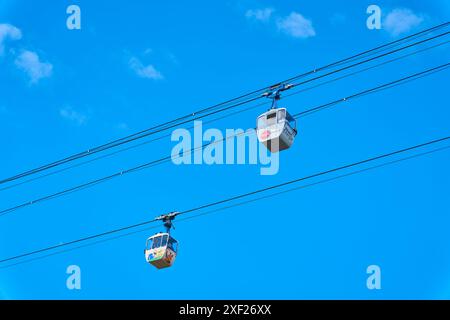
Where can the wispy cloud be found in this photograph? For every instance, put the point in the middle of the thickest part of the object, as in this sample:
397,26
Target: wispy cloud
74,116
25,60
30,63
296,26
260,14
8,31
173,58
401,20
144,71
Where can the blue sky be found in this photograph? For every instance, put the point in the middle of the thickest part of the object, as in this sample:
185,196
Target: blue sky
135,64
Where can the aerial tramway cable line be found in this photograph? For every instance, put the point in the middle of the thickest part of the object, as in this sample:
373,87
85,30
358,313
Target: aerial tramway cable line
276,129
218,108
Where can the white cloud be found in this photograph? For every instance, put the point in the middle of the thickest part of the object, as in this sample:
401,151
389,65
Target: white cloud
8,31
29,62
73,115
400,20
143,71
260,14
296,26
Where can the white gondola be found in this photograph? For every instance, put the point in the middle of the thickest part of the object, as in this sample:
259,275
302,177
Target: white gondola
161,250
276,129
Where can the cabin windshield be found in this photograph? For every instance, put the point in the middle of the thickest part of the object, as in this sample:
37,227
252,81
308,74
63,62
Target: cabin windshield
149,244
164,240
281,115
156,242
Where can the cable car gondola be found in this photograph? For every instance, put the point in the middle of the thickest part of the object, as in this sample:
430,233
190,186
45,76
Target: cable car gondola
276,128
161,249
